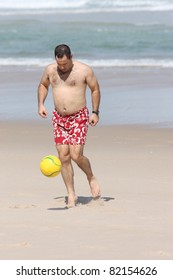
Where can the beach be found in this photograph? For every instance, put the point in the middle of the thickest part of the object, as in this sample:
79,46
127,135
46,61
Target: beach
136,95
129,46
132,162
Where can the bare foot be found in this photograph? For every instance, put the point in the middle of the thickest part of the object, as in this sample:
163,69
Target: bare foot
95,189
71,201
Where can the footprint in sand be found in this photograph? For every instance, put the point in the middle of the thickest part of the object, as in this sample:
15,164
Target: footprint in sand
96,202
16,245
17,206
160,253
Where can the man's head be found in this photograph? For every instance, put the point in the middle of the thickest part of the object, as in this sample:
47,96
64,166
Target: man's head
62,50
63,57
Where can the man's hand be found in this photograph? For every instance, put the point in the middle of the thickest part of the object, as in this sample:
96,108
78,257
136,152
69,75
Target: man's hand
93,120
42,111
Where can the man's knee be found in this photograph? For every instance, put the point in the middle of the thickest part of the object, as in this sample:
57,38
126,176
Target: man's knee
76,153
75,156
64,154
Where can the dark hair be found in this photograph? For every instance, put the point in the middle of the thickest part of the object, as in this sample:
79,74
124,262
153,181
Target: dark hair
62,50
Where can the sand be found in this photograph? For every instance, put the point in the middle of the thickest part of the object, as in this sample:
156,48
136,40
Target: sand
133,164
133,218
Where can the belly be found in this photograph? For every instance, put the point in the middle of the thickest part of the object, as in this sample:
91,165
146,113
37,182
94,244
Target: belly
69,101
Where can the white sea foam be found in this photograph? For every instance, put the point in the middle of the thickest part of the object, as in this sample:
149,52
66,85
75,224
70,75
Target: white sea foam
36,62
44,6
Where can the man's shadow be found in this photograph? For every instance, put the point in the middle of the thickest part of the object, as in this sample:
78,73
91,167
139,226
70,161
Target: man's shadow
82,200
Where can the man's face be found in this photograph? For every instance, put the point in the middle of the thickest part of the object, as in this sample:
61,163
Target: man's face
64,64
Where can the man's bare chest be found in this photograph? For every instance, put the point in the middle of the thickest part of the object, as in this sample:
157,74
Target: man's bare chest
66,79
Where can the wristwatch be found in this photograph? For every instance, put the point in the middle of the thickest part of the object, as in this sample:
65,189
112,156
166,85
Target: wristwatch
96,112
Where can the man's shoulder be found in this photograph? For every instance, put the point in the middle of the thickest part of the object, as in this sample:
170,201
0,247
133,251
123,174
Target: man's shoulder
80,63
50,67
82,66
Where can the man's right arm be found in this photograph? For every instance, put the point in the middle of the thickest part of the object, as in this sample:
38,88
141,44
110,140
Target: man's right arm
42,94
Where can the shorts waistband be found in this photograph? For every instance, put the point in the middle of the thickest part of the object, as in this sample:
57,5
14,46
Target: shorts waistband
78,112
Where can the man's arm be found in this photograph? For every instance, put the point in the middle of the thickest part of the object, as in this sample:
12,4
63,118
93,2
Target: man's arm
95,96
42,94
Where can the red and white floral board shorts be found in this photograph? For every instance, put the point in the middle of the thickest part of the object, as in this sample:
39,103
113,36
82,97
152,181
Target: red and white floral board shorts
71,129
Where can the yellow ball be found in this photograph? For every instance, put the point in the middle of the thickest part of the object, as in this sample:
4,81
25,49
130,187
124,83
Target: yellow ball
50,166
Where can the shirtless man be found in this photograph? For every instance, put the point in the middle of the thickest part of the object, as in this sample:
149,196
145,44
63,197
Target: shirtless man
69,80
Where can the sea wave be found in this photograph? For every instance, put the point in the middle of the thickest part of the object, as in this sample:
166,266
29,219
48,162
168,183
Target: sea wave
36,62
52,6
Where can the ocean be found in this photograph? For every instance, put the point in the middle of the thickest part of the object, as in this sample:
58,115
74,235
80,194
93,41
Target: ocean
123,34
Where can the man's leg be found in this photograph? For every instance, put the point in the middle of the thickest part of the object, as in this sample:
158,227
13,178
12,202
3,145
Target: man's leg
67,173
76,153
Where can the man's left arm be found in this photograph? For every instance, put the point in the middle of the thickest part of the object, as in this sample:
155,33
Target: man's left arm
95,96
